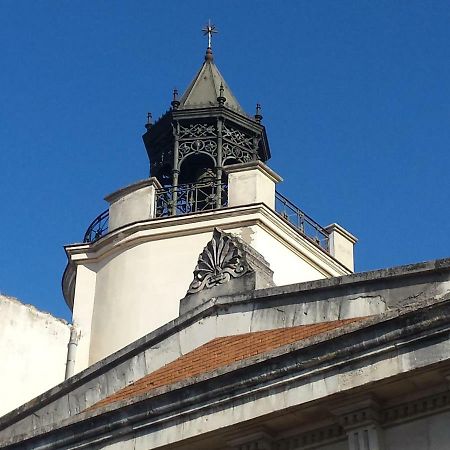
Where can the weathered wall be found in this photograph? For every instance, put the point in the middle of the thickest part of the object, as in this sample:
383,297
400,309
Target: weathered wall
142,285
428,433
33,350
140,278
331,299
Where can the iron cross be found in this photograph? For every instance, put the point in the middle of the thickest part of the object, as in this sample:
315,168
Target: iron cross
209,29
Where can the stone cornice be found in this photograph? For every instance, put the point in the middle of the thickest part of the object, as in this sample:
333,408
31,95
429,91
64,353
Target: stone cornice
364,342
258,165
226,218
111,198
342,231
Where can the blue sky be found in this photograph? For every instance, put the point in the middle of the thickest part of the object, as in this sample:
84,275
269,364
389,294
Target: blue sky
355,96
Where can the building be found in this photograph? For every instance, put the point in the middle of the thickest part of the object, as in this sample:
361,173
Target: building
210,312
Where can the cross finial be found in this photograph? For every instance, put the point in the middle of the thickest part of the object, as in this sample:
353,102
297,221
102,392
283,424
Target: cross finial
209,30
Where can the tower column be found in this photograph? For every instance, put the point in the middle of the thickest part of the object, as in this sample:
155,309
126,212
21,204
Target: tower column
219,166
176,168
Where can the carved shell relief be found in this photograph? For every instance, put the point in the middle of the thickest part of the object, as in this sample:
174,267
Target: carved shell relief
222,259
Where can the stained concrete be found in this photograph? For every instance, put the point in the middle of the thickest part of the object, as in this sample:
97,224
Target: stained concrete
405,301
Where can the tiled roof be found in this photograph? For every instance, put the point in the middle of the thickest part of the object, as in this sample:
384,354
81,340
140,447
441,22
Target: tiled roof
217,353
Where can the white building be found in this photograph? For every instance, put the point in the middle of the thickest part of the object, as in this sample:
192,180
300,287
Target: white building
272,343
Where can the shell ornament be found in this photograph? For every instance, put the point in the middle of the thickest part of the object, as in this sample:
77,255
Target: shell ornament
223,258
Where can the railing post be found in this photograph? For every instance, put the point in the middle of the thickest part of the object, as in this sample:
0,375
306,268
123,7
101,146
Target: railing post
341,244
176,169
216,188
250,183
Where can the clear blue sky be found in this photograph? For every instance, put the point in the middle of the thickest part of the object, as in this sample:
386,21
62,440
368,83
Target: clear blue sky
355,96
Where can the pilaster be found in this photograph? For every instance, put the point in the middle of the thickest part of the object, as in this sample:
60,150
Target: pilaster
361,422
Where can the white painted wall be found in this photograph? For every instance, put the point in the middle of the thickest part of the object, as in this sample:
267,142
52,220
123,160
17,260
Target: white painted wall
287,264
131,283
138,289
33,351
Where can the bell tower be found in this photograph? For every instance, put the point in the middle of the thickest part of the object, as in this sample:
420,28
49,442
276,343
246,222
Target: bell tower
207,171
203,132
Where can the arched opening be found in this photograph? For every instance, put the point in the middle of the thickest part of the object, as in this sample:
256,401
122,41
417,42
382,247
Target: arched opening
196,168
197,189
164,175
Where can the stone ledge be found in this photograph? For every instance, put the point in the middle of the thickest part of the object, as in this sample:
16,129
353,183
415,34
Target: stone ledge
111,198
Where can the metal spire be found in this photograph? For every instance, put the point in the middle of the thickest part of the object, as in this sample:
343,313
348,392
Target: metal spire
209,30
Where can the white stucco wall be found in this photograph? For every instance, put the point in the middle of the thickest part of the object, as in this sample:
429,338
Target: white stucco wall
33,350
131,282
138,289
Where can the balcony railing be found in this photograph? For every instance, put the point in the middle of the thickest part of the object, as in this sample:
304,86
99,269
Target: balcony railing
190,198
301,221
207,196
97,228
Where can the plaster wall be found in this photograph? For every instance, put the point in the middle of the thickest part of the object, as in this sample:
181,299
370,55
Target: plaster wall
33,350
287,263
156,350
428,433
143,285
313,388
174,429
82,313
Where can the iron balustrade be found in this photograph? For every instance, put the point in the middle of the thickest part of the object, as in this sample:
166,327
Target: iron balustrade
190,198
301,221
97,228
207,196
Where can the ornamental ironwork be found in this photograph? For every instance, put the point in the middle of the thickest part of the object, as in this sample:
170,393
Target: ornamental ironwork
222,259
207,147
197,130
190,198
230,151
301,221
211,195
237,137
98,227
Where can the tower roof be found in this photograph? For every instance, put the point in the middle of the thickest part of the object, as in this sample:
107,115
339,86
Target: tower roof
205,88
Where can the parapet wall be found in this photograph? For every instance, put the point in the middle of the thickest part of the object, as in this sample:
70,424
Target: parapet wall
33,349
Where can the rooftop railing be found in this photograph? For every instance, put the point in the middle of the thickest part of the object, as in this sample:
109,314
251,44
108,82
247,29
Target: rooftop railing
190,198
301,221
98,227
207,196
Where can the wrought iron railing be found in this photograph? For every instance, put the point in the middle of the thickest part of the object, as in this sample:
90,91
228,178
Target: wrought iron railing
301,221
190,198
97,228
207,196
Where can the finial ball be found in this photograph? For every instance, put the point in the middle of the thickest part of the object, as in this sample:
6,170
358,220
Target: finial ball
209,54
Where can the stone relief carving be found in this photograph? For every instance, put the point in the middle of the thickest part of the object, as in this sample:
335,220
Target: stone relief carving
222,259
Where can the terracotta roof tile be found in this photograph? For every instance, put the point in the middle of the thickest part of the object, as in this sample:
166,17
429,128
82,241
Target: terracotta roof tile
218,353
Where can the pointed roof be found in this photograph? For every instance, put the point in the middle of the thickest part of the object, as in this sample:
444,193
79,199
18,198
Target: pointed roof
205,88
